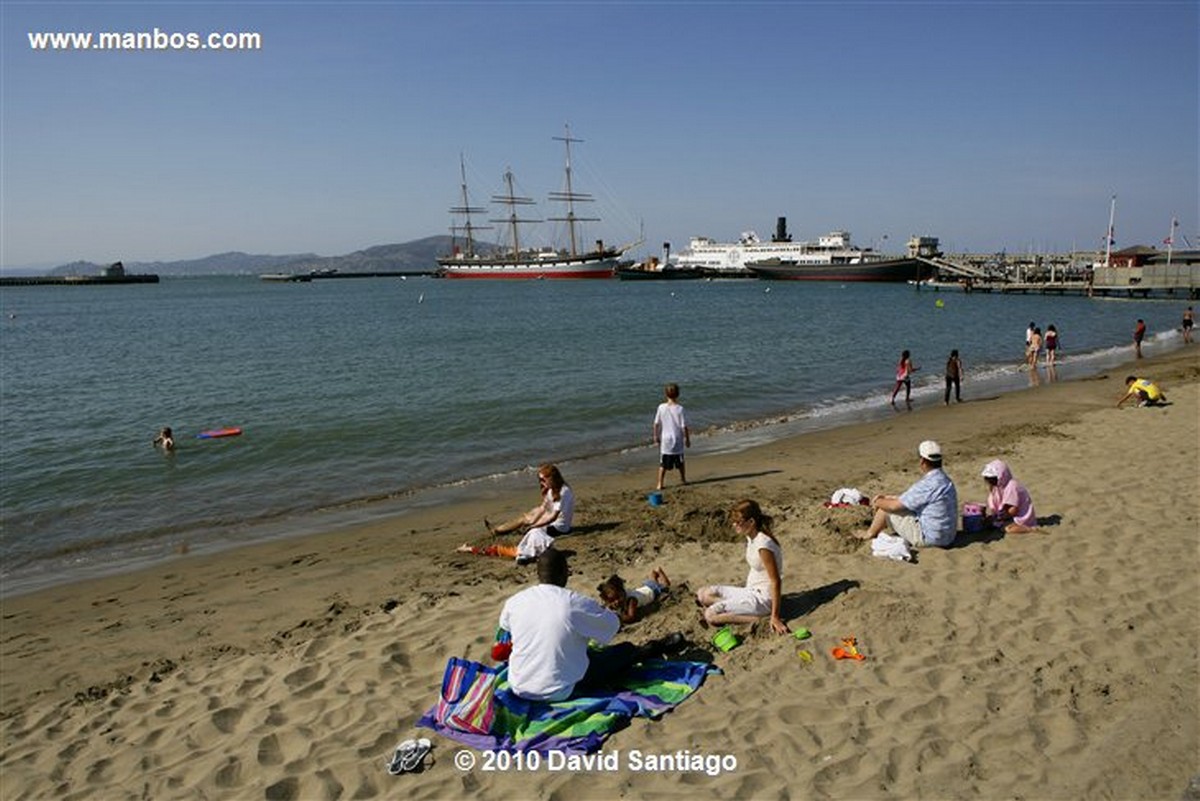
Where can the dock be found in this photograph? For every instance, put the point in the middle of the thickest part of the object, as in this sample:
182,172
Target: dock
1065,275
113,274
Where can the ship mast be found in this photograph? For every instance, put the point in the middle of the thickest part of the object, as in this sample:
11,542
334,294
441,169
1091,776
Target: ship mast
571,197
466,209
512,200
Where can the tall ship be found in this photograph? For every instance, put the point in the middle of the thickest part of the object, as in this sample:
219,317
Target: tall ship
830,258
515,261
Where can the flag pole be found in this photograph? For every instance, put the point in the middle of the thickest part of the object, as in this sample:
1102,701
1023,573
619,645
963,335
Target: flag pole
1108,241
1171,239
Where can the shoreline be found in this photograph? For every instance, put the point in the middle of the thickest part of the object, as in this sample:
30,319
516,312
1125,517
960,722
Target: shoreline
718,439
995,667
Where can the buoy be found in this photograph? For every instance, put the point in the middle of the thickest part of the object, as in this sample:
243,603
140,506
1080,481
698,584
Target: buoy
940,303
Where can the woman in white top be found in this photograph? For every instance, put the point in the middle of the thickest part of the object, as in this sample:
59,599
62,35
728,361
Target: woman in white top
763,591
539,526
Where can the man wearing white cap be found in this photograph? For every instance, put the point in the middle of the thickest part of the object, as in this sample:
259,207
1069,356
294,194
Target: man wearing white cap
927,512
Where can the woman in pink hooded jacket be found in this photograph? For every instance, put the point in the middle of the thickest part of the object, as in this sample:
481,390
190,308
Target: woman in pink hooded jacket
1008,505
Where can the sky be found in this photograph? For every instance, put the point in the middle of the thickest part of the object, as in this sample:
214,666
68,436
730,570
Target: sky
991,125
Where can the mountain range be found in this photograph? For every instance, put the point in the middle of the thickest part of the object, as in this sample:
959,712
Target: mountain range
416,256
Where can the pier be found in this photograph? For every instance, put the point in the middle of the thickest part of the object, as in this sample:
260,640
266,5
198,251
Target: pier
1140,275
113,274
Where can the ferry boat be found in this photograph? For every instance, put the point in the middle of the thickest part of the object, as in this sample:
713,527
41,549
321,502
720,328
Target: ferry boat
515,262
830,258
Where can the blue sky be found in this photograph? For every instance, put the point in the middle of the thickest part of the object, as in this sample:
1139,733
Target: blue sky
993,125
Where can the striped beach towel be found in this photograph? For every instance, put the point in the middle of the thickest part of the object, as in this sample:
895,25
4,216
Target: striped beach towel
577,725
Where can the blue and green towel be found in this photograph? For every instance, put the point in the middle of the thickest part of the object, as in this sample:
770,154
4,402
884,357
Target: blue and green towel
580,725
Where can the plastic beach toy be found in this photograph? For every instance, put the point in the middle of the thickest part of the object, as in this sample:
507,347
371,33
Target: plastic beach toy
655,498
802,633
725,639
806,657
848,650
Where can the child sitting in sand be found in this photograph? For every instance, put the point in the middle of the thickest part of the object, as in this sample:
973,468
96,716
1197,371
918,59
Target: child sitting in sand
1009,505
626,603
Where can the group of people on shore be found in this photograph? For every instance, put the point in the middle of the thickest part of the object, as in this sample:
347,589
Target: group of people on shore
550,626
1036,343
905,368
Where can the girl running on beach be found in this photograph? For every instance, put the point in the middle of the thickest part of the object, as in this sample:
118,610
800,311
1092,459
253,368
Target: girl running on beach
904,371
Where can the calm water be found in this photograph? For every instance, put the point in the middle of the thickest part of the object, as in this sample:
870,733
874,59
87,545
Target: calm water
372,389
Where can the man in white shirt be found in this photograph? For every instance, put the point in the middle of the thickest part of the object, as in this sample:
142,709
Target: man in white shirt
551,626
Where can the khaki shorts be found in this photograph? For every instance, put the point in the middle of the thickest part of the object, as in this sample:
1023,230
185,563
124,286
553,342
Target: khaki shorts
908,527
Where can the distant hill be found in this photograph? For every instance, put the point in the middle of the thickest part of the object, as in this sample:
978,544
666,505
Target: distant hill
232,263
415,256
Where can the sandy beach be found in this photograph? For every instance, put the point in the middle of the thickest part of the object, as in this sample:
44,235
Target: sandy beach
1063,664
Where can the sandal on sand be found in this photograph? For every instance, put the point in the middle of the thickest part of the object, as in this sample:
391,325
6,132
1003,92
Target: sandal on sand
404,751
415,761
409,756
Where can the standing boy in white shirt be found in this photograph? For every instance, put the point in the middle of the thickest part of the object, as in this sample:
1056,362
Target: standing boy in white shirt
672,435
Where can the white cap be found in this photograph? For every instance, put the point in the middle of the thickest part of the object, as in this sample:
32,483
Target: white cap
990,471
930,450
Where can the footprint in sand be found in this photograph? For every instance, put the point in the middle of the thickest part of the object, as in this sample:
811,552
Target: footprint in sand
226,720
269,752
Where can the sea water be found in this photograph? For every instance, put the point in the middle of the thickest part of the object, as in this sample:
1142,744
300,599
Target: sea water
358,397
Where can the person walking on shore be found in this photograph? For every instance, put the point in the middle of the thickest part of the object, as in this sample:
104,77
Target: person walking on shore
671,434
1051,344
954,371
904,371
1189,319
1035,347
1139,333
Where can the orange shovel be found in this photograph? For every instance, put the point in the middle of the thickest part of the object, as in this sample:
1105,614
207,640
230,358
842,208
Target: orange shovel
848,650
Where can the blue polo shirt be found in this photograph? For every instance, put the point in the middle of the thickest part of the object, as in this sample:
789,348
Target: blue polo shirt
934,501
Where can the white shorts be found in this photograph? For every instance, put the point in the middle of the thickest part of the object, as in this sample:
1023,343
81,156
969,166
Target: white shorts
738,601
908,527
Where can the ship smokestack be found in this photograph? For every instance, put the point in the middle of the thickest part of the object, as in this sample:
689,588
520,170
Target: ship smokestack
781,234
666,252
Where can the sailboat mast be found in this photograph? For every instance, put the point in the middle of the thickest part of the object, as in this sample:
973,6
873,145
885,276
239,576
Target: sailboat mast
466,209
512,216
1108,240
512,200
570,196
566,140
